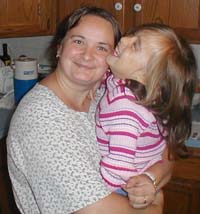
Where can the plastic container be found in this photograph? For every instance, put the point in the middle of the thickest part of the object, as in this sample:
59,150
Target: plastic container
25,76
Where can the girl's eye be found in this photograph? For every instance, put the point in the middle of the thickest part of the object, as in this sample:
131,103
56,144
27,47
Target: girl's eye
136,45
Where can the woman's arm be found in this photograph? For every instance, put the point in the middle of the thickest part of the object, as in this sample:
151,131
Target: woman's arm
141,188
116,204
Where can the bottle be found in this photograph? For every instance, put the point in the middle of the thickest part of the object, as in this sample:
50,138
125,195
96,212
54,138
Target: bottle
6,57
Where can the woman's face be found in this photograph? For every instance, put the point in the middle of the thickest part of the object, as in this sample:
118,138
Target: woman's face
130,60
84,50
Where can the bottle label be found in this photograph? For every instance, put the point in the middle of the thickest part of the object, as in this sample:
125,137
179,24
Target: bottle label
7,62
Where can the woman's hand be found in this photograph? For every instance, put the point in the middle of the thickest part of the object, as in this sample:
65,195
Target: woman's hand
141,191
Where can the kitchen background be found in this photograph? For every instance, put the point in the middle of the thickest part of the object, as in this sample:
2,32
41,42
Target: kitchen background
36,47
40,17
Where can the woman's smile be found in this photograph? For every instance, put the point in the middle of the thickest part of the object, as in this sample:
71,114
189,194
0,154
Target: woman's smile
84,65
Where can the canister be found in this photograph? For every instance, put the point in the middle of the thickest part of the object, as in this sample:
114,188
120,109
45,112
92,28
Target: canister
25,76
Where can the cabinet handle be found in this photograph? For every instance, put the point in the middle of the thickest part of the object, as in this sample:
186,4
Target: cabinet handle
137,7
118,6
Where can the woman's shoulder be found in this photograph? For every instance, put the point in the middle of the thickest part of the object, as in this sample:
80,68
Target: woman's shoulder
36,104
36,98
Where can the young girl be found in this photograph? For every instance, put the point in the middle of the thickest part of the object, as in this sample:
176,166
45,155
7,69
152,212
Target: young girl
147,102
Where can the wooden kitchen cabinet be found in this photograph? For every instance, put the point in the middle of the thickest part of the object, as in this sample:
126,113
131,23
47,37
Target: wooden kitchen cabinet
27,18
119,8
182,15
7,202
39,17
182,193
65,7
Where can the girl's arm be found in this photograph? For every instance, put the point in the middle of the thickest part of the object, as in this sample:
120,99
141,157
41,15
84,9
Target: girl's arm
162,171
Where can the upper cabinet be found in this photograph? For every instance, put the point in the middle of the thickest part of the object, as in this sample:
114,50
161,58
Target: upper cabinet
65,7
27,18
38,17
182,15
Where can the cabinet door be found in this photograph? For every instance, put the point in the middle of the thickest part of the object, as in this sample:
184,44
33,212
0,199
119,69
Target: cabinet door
116,7
182,196
182,15
27,18
7,202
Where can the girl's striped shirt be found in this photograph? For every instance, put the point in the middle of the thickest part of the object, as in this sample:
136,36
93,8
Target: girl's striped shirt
128,134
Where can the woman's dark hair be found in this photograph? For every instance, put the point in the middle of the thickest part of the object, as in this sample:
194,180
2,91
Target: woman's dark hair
73,20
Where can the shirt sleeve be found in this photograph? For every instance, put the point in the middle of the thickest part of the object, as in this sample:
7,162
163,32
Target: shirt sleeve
122,130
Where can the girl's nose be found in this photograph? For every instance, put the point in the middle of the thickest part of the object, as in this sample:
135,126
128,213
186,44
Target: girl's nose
125,41
128,41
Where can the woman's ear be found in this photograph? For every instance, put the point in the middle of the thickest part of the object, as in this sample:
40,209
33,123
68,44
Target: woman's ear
59,49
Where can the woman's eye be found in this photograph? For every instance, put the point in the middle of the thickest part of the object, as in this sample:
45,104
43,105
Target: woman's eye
103,49
78,41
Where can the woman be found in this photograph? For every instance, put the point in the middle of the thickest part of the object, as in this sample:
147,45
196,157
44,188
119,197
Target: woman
53,157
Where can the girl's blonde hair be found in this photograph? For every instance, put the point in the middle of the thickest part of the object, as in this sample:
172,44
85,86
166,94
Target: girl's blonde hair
171,77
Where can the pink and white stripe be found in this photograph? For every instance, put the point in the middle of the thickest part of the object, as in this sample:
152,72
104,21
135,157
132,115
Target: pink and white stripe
128,135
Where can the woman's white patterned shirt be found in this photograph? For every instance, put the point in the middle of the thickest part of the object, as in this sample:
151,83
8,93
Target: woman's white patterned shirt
53,157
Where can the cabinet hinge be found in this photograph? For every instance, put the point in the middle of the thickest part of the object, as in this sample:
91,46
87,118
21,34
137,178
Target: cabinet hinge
39,9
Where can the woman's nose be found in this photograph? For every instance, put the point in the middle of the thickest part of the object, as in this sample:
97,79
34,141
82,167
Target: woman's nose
88,53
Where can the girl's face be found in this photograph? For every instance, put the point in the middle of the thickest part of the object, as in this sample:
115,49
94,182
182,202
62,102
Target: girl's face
84,50
130,60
